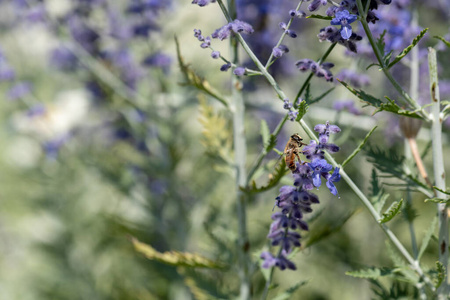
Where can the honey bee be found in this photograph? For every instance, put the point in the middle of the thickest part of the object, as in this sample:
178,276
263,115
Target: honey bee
292,150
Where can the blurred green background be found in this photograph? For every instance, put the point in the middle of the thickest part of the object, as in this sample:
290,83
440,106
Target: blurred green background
66,220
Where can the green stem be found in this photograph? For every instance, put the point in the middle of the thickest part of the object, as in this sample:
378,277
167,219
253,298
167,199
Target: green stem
391,236
406,98
269,61
321,60
439,171
240,155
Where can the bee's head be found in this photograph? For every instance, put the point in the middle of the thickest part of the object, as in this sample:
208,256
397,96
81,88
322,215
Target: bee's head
297,138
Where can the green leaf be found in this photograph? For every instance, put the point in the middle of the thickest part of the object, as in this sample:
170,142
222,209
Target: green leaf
272,143
369,99
317,99
289,292
393,210
376,189
427,237
265,133
387,57
391,106
447,43
380,42
326,230
175,258
436,200
360,146
302,109
308,95
319,17
192,79
440,274
407,49
275,177
371,273
372,65
441,190
379,201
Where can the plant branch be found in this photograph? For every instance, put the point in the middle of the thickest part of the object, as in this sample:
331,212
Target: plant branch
439,171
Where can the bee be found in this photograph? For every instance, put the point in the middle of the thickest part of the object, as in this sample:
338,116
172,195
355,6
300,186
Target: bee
292,150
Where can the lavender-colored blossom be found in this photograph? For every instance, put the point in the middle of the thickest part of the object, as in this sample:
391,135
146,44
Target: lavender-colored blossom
239,71
158,60
320,167
335,177
344,18
297,13
83,34
19,90
202,3
225,67
206,43
215,54
322,70
64,59
315,4
295,201
235,26
280,50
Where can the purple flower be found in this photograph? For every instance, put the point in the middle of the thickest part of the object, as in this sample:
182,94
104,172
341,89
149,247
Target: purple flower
279,51
333,178
315,4
202,3
303,177
239,71
64,59
158,60
225,67
344,18
19,90
215,54
236,26
320,167
322,70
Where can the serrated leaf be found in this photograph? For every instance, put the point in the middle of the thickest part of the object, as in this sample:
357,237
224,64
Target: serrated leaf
302,109
216,133
369,99
387,57
427,237
407,49
360,146
393,210
380,42
289,292
272,143
440,274
319,17
391,106
265,133
371,273
379,201
447,43
308,95
192,79
275,177
326,230
441,190
436,200
318,98
175,258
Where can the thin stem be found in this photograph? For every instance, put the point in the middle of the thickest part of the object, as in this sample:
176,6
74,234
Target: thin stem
277,130
324,56
439,171
269,61
240,155
406,98
391,236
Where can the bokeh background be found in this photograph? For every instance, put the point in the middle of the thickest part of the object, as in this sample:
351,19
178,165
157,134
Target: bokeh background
101,141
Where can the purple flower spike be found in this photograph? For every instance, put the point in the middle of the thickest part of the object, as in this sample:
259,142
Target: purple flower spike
344,18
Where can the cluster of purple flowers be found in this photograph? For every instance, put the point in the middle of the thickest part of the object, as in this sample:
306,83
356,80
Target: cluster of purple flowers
322,70
295,201
289,107
222,33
